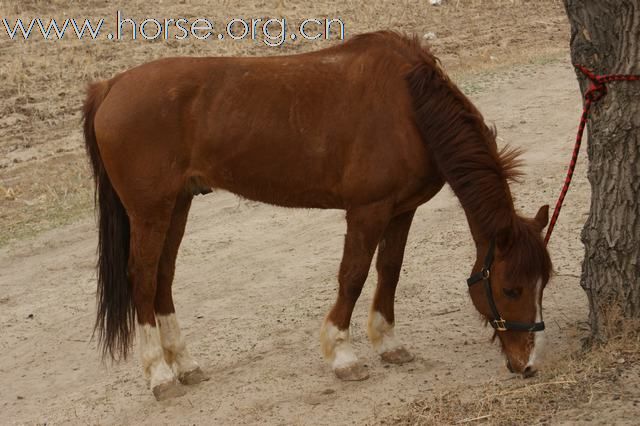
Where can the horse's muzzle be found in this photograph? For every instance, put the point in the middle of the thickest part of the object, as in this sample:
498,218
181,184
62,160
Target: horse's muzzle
528,372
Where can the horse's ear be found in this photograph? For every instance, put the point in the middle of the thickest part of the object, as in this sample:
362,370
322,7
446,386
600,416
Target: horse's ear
542,217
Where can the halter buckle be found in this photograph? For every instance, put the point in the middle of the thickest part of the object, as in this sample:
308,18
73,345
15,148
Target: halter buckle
486,273
499,324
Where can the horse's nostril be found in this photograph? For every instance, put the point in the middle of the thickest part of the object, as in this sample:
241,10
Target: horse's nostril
529,372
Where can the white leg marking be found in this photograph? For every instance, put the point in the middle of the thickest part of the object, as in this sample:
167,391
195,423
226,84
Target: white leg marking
155,367
381,333
175,349
538,337
336,346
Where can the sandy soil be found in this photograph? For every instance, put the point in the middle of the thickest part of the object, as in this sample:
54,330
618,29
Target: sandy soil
254,282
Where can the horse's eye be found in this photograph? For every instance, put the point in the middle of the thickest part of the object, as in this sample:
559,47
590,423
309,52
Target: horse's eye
512,293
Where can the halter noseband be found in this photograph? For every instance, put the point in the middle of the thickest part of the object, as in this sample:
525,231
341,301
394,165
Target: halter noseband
498,322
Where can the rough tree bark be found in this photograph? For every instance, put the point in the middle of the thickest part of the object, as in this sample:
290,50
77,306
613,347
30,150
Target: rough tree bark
605,37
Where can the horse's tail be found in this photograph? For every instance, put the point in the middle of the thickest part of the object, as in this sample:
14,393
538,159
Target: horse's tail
115,311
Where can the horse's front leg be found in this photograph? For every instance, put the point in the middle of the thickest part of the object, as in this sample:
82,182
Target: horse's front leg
364,228
381,316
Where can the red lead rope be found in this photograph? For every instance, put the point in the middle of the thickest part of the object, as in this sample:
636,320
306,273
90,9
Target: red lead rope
596,91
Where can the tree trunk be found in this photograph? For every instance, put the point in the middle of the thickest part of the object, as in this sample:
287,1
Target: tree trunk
605,37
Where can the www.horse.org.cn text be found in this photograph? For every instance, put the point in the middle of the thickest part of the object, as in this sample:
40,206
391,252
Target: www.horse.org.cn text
270,31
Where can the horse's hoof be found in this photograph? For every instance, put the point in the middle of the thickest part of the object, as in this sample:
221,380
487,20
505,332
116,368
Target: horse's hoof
193,377
398,356
168,390
352,373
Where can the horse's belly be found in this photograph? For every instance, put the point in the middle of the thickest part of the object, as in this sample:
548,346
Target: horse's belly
294,184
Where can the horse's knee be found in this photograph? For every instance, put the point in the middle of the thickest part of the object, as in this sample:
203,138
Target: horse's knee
350,291
351,282
389,270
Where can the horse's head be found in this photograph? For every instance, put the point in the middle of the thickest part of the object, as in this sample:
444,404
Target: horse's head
510,274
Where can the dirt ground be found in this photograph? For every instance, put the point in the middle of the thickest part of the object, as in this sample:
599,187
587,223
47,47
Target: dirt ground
254,281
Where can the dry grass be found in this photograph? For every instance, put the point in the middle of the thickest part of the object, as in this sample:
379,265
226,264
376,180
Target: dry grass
580,387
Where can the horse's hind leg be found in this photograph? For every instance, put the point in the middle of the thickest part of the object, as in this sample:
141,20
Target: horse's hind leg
364,228
175,349
149,226
381,316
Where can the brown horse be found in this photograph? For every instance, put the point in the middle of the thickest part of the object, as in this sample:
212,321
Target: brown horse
372,126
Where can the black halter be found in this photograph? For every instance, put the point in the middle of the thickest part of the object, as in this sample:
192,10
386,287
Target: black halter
497,322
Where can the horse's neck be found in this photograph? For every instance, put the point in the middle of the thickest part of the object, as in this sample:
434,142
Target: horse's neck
477,174
490,216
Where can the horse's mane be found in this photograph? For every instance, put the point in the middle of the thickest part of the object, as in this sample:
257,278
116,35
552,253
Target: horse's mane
467,156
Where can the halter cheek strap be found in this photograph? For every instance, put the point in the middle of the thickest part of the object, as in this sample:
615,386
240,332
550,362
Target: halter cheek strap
498,322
